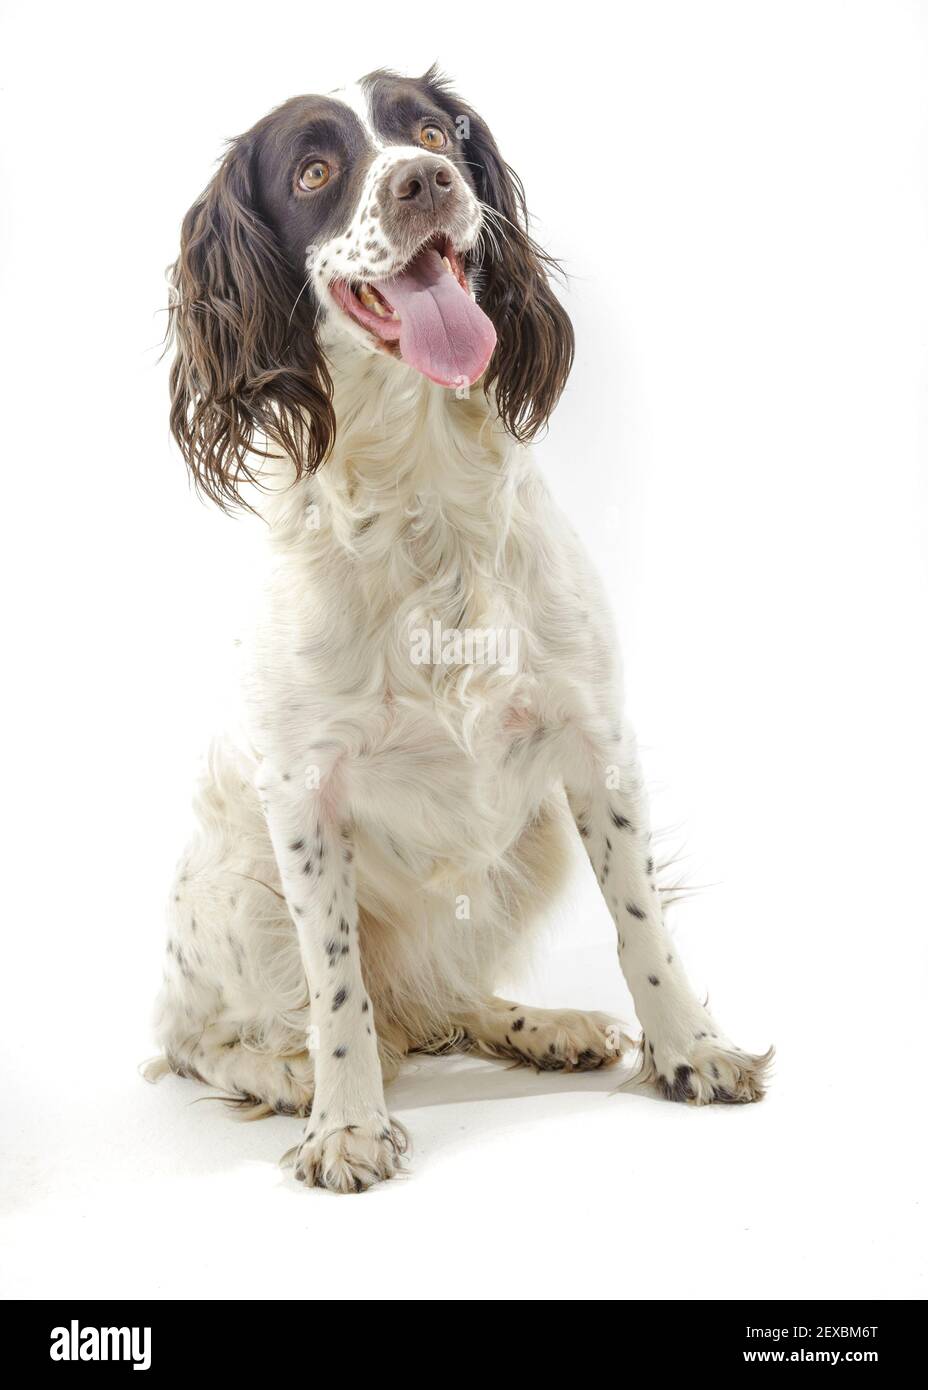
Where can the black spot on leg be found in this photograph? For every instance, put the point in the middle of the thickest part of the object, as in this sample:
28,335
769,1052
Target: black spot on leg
298,845
725,1097
650,866
680,1088
343,926
620,822
635,911
518,1025
339,998
345,950
309,865
365,1006
340,1052
652,979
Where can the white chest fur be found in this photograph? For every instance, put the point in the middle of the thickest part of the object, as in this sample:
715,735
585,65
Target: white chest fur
426,634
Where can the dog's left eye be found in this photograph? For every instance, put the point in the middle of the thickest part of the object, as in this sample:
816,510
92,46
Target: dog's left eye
432,138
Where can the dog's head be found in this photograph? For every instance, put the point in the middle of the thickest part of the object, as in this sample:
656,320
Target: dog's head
386,214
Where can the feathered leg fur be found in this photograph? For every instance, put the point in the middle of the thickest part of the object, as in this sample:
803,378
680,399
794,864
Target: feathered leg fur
683,1050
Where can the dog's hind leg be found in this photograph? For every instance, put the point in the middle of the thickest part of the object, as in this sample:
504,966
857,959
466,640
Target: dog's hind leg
547,1039
256,1081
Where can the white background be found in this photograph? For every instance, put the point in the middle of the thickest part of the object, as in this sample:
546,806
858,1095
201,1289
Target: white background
738,192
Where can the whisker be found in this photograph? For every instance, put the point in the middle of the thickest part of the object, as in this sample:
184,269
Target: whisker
488,234
297,300
495,212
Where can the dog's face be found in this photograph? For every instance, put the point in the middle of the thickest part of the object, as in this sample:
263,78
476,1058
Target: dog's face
384,213
375,204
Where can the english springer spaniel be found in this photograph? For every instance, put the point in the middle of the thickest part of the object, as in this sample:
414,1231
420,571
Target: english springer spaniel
433,707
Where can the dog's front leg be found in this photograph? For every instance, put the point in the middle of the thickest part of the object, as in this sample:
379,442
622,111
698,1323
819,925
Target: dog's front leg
683,1049
349,1141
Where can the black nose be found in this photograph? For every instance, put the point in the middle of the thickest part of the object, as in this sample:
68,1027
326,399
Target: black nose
424,183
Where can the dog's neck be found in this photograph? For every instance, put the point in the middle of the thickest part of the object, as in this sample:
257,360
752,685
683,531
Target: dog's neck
389,415
401,439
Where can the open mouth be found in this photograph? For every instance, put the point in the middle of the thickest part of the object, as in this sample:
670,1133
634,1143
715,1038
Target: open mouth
425,315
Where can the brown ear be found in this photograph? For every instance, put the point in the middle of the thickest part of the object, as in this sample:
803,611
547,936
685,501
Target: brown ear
535,340
248,372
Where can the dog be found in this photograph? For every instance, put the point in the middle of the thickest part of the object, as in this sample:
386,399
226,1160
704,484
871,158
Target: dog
366,340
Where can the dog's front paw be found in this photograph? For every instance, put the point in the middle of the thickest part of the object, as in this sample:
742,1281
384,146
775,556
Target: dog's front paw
706,1070
350,1157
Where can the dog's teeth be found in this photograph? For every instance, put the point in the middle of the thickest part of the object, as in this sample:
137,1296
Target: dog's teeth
370,301
447,264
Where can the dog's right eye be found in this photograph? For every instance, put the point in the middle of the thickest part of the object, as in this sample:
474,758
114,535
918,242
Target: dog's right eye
314,175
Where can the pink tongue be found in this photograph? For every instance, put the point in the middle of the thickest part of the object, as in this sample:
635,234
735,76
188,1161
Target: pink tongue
442,332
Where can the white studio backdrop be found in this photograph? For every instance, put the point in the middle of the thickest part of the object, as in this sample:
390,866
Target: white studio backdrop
738,194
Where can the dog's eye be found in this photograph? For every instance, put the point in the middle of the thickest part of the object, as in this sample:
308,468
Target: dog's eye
432,138
314,174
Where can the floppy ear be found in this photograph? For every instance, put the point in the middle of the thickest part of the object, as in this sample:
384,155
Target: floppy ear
248,372
535,340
